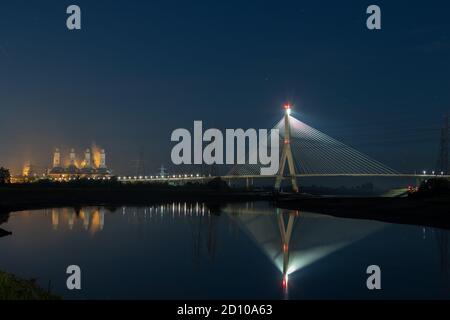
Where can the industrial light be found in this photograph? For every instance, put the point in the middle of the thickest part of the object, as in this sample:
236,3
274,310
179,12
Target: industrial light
424,172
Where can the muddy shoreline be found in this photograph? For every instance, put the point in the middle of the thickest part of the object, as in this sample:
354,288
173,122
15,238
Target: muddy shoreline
433,212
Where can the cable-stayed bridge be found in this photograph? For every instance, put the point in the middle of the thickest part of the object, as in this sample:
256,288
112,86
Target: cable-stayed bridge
305,152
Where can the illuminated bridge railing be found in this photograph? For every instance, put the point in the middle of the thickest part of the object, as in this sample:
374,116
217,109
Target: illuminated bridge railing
201,178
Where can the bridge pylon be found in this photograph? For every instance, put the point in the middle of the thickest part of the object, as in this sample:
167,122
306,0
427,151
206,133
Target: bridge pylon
286,155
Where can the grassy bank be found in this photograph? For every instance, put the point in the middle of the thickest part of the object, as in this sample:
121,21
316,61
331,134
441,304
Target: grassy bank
13,288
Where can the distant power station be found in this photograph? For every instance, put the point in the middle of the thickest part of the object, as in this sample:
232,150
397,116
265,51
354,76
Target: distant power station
92,166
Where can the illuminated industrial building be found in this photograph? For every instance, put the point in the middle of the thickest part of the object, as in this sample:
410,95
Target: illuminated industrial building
93,166
29,174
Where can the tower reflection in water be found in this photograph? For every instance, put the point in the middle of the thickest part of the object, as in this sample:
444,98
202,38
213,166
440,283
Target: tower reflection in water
91,219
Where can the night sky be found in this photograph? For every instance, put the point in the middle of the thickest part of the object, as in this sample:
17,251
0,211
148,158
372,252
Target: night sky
140,69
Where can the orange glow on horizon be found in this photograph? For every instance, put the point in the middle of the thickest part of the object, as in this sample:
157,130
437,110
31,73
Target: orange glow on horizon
26,171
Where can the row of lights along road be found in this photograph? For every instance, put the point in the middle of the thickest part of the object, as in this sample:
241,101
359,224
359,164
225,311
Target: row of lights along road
160,177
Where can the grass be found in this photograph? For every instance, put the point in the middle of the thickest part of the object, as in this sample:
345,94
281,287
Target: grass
13,288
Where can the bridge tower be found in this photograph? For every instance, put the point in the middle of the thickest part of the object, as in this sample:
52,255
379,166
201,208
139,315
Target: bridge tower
286,155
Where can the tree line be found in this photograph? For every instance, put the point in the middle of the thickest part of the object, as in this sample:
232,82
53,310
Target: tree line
5,176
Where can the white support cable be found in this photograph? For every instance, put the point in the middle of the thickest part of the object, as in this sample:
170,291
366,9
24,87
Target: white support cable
317,153
343,149
366,164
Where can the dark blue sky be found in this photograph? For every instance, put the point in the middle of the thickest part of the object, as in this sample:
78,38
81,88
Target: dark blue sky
140,69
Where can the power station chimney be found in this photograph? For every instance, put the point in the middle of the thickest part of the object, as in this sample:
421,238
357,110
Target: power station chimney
56,159
102,159
72,157
87,158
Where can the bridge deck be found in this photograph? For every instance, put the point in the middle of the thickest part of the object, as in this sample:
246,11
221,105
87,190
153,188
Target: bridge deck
237,177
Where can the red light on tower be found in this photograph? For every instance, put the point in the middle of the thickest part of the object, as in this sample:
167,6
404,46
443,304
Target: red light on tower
284,282
287,107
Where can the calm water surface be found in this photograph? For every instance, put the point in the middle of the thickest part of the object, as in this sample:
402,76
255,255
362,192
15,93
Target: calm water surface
184,251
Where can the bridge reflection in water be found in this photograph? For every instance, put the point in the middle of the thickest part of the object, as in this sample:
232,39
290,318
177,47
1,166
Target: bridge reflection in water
293,240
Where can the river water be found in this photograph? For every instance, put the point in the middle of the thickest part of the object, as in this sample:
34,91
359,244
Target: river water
239,251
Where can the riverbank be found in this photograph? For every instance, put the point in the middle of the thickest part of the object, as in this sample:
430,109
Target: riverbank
13,288
37,196
433,212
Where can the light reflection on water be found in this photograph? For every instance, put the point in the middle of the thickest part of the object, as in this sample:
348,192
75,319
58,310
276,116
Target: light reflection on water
250,250
92,219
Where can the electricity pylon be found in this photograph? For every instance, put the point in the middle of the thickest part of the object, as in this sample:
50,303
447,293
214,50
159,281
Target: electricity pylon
286,155
442,163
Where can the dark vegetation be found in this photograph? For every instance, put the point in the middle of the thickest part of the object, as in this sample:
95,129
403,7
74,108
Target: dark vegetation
432,188
5,176
13,288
